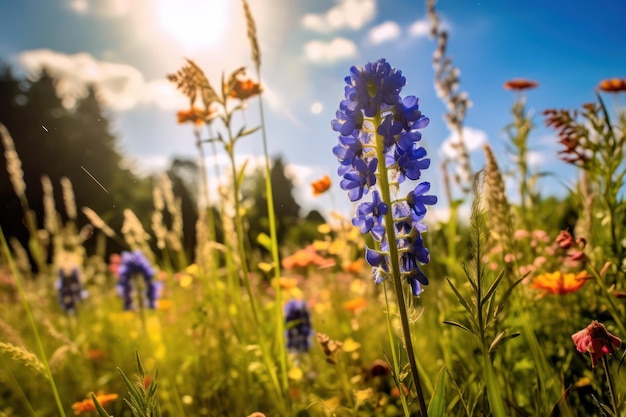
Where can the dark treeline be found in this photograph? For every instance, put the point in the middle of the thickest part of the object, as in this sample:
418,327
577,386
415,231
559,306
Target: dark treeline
78,143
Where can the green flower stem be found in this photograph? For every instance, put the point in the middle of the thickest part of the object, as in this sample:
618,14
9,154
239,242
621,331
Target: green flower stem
609,382
613,309
279,398
33,325
394,357
271,214
385,192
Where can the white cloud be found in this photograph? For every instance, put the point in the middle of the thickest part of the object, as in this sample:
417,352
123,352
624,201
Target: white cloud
351,14
473,139
106,8
120,86
327,52
420,28
384,32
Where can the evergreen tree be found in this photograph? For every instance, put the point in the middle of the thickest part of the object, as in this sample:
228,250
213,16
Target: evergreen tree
76,143
286,208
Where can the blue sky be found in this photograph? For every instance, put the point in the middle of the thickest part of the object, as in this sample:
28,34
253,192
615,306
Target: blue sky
128,46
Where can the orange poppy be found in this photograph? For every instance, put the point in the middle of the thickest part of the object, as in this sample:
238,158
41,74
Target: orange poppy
89,405
559,283
321,186
612,85
355,305
243,89
520,84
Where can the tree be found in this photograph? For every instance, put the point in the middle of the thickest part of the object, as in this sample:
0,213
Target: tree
57,141
255,199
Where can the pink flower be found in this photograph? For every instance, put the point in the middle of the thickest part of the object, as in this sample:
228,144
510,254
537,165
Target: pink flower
596,340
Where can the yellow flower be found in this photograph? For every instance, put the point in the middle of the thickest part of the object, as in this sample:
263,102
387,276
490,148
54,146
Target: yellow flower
559,283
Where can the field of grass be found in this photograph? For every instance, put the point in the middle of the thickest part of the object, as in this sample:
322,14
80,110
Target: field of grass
512,306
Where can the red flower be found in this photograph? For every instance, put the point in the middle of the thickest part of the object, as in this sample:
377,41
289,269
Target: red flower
596,340
520,84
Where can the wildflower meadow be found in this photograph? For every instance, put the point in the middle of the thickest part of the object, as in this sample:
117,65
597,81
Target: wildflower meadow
511,304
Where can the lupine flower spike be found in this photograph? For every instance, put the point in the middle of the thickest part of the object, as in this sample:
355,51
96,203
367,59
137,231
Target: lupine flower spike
379,132
70,289
298,326
135,264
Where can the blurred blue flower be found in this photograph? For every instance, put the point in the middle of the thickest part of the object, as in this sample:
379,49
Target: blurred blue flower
70,289
298,326
133,265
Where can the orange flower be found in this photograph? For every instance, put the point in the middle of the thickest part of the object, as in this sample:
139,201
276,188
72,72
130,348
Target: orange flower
95,354
520,84
559,283
356,304
304,258
612,85
320,186
354,267
89,405
285,283
243,89
194,115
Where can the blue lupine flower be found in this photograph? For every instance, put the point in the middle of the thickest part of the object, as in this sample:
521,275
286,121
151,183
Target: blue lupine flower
359,179
133,265
375,85
374,120
418,201
70,289
369,217
347,120
298,326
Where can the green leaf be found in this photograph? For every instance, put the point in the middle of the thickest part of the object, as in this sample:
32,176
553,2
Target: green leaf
245,132
101,411
492,288
132,388
459,325
139,365
500,339
462,300
437,404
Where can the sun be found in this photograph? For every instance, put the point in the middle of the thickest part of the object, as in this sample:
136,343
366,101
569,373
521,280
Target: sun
194,23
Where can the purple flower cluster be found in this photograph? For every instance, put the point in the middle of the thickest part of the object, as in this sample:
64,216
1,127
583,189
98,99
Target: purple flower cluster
70,289
135,264
298,326
373,122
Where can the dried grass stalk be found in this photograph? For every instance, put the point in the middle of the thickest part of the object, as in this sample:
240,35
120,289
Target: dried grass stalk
25,357
97,222
68,198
